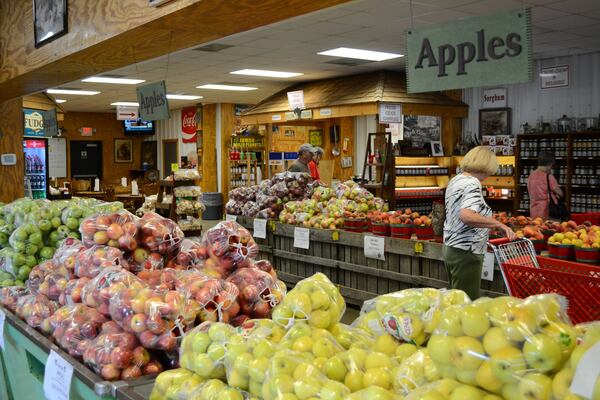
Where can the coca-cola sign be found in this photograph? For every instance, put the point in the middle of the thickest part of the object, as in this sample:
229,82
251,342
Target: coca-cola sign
188,124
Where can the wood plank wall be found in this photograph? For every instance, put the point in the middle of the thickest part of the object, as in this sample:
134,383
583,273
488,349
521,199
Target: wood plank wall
209,153
11,132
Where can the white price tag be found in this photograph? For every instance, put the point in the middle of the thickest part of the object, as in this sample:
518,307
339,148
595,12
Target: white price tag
260,228
487,272
2,319
587,373
302,238
229,217
57,377
374,247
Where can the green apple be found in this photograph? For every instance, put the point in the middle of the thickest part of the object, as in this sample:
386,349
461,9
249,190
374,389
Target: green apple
486,378
378,377
30,261
219,331
56,222
535,386
441,349
467,353
216,351
354,380
257,368
561,383
474,321
263,348
230,394
45,225
23,273
324,347
508,364
281,384
519,323
19,246
542,353
377,360
20,234
335,369
282,365
335,391
303,344
46,253
72,223
241,364
450,323
31,249
36,238
203,365
236,379
19,260
494,340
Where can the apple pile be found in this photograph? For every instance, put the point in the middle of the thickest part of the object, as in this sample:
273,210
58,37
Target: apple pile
10,295
348,336
373,392
98,292
229,246
416,370
259,291
191,255
143,260
67,252
49,279
89,262
115,354
214,389
452,389
73,326
73,291
410,315
117,230
586,237
507,346
176,383
159,234
35,308
314,299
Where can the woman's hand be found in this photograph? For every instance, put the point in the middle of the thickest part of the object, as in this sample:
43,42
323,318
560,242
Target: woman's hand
507,232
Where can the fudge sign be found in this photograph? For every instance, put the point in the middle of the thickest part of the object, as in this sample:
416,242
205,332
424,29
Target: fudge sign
473,52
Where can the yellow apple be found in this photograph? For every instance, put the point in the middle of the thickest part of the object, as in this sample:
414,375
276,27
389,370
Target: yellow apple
466,392
542,353
561,383
335,369
498,307
440,349
486,378
518,324
385,344
535,386
354,380
467,353
474,321
377,377
377,360
494,340
508,364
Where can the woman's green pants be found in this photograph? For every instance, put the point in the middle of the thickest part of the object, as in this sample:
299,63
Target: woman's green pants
464,270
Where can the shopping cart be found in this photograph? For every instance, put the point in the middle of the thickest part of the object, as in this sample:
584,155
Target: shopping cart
526,274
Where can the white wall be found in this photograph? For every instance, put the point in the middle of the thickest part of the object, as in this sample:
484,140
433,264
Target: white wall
528,102
170,129
363,125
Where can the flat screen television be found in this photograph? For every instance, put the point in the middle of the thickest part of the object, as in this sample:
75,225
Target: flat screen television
138,127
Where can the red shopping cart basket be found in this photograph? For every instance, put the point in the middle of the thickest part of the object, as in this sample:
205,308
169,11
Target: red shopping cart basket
526,274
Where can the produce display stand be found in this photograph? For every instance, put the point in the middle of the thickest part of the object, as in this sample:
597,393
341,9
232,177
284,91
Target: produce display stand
340,255
23,364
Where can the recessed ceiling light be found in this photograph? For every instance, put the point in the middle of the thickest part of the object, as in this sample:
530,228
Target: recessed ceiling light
267,73
125,103
120,81
360,54
60,100
182,97
70,91
226,87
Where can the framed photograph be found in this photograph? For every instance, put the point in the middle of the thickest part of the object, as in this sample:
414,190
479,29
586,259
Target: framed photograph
149,154
49,20
494,121
123,150
422,129
437,150
488,140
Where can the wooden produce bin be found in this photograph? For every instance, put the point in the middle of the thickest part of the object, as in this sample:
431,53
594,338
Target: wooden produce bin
23,367
340,256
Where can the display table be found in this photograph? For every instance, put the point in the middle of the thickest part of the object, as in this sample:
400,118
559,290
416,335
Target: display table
23,364
340,255
96,195
130,202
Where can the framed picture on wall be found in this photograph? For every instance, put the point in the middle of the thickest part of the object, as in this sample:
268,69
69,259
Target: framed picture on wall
437,150
123,150
494,121
49,20
421,130
149,154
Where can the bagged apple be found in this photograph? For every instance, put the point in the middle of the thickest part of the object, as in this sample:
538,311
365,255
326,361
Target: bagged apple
73,291
66,253
504,345
164,279
106,285
203,349
232,244
35,308
451,389
191,255
187,191
115,354
187,206
314,299
259,292
374,392
10,295
89,262
348,337
175,384
410,315
214,389
417,370
40,273
116,229
144,260
72,324
160,234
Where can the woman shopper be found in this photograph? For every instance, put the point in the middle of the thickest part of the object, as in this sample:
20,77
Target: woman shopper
468,221
313,165
541,185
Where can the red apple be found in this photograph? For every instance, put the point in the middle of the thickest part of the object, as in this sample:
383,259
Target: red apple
153,368
141,356
120,357
114,231
131,372
110,372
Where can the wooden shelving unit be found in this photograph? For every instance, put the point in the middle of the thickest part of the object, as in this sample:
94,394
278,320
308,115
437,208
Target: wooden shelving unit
577,167
170,210
378,176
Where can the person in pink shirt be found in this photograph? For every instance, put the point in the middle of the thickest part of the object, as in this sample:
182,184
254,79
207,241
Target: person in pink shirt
538,184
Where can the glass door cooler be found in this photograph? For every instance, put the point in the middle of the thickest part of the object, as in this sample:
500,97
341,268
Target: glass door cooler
36,166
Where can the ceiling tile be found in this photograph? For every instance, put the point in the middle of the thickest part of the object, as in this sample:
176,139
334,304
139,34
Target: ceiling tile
576,6
552,37
486,7
544,13
359,19
568,22
592,30
542,2
331,28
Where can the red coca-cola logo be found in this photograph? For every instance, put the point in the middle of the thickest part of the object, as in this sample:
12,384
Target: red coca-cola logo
189,121
188,124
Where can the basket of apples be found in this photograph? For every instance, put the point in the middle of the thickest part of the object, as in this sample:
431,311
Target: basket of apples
422,227
401,224
560,245
533,233
587,245
380,223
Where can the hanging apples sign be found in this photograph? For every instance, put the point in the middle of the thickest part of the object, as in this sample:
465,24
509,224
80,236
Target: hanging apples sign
152,98
188,124
480,51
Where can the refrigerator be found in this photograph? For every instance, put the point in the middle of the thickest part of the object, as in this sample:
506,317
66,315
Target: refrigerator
36,166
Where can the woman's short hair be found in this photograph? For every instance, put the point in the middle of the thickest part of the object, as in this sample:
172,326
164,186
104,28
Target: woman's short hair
545,158
319,151
480,160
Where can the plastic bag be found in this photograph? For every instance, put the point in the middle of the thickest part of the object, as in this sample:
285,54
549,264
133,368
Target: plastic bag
10,295
498,344
67,252
73,291
451,389
72,324
232,244
190,224
40,272
90,262
186,206
157,317
35,308
187,191
410,315
98,291
160,234
373,392
175,384
115,354
314,299
250,209
259,292
233,207
214,389
348,336
185,174
417,370
144,260
117,229
244,193
191,254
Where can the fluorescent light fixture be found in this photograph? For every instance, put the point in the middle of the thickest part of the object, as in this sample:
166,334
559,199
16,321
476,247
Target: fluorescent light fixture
119,81
226,87
267,73
125,103
360,54
182,97
69,91
60,100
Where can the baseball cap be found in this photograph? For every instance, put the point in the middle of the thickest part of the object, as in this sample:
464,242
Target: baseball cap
307,147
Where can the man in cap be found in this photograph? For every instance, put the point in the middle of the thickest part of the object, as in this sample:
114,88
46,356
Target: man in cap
305,155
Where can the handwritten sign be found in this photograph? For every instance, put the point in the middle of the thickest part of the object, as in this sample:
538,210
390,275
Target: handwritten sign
487,272
260,228
374,247
57,377
302,238
587,373
229,217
